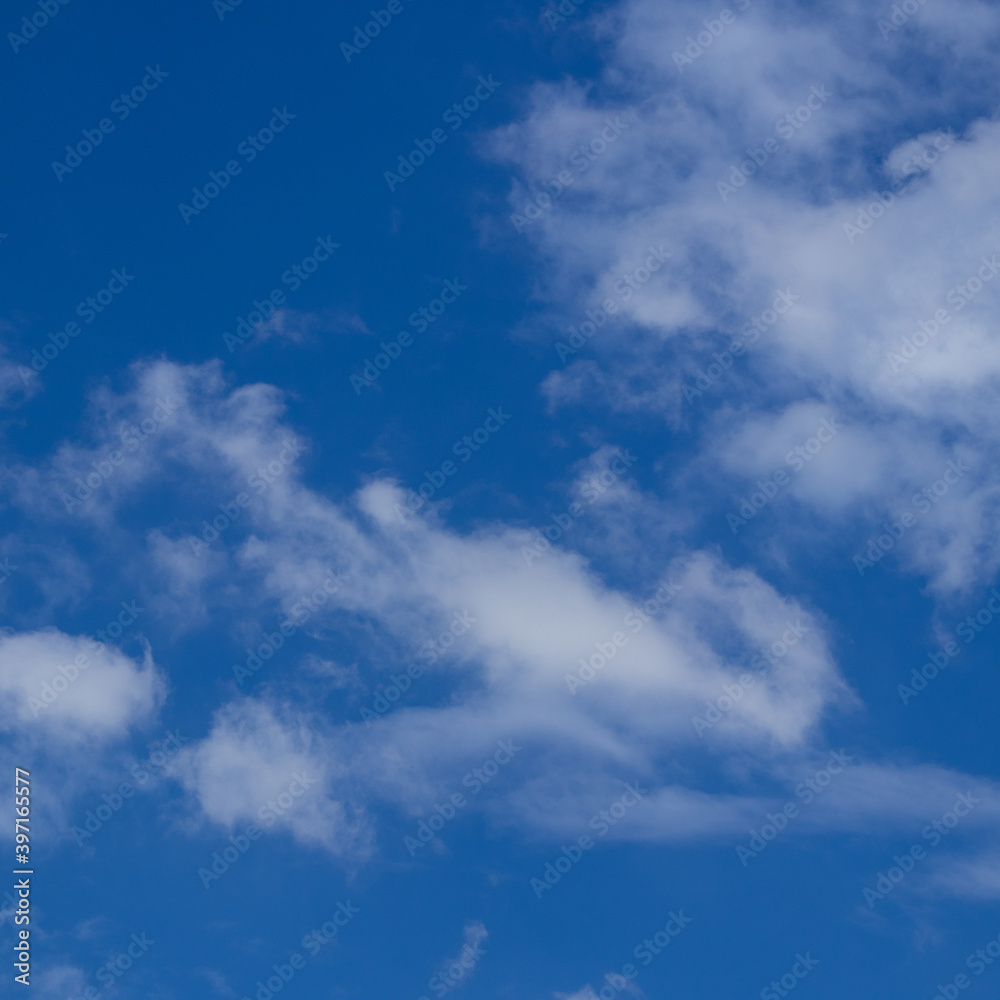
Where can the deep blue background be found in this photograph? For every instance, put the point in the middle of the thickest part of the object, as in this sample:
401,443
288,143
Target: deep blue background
324,175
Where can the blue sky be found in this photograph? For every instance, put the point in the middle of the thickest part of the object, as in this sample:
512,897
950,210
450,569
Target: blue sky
508,509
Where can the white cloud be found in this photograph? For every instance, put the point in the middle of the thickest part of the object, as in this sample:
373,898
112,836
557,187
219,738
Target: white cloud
586,993
17,382
272,768
59,981
784,228
975,877
71,689
456,971
517,672
538,612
